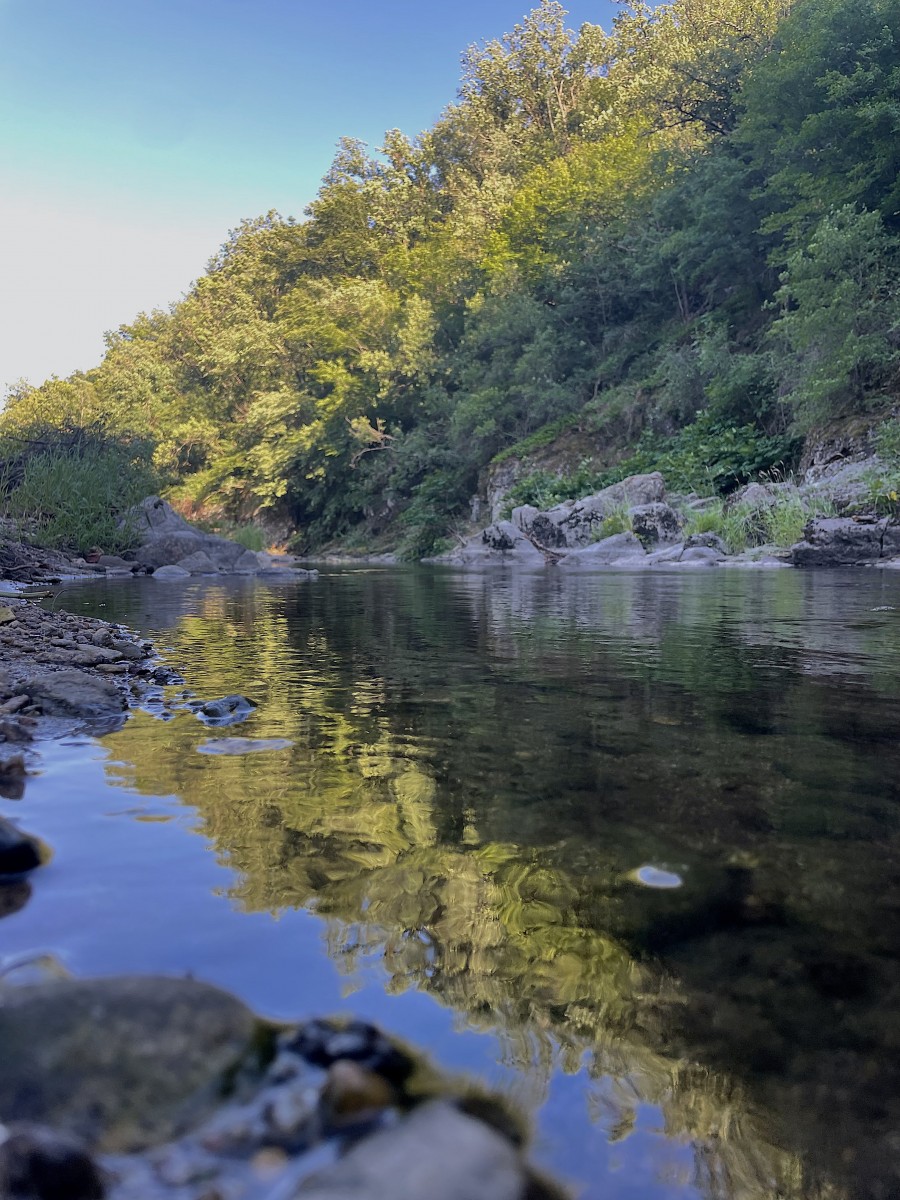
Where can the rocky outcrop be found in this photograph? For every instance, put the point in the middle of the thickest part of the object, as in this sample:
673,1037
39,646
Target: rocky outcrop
577,522
843,542
656,524
165,539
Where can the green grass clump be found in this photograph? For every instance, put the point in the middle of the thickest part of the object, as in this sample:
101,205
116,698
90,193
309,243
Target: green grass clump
76,497
617,520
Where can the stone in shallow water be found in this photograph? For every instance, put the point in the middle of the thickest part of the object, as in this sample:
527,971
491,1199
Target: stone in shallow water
238,745
229,710
18,851
122,1063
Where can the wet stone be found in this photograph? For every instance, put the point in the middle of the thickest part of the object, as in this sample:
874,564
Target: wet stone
41,1164
229,710
18,852
351,1091
323,1043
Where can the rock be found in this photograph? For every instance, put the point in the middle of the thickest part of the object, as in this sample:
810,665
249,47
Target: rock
711,540
351,1091
133,651
73,694
41,1164
247,564
169,548
499,543
171,573
436,1152
838,542
123,1063
700,556
91,656
656,524
575,522
230,710
198,563
324,1043
112,562
18,852
523,517
156,515
620,550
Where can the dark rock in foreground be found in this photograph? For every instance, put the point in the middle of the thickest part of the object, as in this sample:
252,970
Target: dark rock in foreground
18,852
163,1089
121,1063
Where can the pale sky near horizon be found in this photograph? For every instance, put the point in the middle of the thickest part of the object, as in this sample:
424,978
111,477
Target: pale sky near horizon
136,133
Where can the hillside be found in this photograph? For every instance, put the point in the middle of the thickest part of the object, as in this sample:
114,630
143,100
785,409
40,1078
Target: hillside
671,245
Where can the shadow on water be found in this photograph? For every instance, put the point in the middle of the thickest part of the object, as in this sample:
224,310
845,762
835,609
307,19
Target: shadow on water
481,766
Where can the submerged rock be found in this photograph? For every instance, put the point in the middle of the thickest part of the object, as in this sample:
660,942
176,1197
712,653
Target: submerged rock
230,710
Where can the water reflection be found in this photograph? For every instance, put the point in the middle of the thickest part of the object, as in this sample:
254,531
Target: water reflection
480,765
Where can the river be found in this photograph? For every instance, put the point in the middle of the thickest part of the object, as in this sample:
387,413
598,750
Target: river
625,846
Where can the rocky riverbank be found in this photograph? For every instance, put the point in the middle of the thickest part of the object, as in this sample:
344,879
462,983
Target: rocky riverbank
637,524
169,1089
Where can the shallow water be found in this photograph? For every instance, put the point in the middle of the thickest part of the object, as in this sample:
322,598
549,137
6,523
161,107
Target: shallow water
626,846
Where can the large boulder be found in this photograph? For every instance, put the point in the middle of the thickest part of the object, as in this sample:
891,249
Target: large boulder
123,1063
839,542
166,539
656,524
576,522
620,550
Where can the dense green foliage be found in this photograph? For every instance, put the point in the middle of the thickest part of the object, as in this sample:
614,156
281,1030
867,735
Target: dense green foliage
70,489
682,235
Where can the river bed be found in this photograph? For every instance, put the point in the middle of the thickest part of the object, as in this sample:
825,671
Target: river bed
625,846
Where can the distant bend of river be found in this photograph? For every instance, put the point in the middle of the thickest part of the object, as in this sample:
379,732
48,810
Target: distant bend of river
626,846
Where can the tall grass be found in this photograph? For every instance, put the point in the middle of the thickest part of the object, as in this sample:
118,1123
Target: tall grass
75,498
780,521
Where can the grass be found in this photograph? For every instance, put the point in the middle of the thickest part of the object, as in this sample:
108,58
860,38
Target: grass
75,499
617,520
778,523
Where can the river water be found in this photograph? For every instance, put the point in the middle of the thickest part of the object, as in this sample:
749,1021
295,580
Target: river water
627,847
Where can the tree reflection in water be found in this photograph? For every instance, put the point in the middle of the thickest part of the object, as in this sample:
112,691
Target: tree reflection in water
478,766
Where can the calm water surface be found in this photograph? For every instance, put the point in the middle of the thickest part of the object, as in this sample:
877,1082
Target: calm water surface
626,846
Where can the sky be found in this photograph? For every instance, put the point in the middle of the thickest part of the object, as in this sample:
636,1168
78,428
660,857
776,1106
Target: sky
134,134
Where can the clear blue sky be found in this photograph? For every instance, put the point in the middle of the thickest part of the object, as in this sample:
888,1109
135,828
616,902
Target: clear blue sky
135,133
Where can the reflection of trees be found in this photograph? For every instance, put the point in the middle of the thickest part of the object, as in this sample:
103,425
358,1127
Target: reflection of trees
471,824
